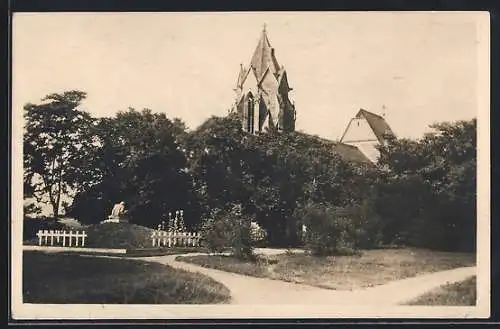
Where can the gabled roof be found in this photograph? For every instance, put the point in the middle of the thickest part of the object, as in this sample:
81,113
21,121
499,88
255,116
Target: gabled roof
378,124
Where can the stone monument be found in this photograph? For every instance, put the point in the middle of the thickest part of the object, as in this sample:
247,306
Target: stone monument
118,214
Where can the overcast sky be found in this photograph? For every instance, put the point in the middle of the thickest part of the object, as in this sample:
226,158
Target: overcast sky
422,67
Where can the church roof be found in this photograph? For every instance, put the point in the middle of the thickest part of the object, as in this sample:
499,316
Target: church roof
263,57
377,123
348,153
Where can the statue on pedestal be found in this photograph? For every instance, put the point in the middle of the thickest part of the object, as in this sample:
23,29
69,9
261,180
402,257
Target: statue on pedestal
118,214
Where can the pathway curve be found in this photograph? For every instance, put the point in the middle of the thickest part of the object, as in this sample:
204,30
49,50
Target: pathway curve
251,290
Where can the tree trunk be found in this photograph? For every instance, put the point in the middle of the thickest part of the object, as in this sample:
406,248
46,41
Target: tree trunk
56,211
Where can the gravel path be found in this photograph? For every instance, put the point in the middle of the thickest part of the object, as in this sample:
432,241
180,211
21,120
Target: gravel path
251,290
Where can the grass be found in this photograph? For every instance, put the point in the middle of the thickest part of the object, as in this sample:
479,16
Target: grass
452,294
74,279
138,253
367,269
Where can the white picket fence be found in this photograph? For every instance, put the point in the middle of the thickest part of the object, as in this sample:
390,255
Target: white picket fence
174,239
57,237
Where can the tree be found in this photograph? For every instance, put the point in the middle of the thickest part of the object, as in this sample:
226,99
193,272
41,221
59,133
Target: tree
430,191
269,174
140,161
57,141
296,169
218,164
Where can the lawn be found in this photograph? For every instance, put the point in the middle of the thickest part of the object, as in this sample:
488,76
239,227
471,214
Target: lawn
138,253
74,279
452,294
369,268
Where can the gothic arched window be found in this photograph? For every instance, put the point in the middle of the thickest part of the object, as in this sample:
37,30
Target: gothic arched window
250,114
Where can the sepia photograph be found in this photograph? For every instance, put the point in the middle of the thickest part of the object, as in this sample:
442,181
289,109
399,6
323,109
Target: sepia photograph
225,165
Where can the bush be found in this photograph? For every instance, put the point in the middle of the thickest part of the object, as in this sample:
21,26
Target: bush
329,232
368,225
32,225
228,229
119,235
258,234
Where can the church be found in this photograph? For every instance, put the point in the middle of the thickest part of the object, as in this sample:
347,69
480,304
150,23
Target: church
262,103
262,89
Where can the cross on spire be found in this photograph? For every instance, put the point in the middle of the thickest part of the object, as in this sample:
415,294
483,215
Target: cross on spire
264,27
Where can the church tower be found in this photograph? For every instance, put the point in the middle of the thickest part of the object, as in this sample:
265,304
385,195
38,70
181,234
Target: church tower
262,89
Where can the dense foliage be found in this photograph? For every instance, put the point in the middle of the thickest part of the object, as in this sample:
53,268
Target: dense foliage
421,193
329,230
58,141
140,161
428,198
229,229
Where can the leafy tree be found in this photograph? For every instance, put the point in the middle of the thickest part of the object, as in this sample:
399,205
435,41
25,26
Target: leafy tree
296,169
218,164
430,190
58,140
269,174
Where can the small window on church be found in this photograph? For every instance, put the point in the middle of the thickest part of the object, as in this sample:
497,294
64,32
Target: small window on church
250,115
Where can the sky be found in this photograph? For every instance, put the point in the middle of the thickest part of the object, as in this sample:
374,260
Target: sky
414,68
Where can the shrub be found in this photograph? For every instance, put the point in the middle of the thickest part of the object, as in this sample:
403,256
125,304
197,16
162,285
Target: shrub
329,231
214,235
32,225
368,225
258,234
228,228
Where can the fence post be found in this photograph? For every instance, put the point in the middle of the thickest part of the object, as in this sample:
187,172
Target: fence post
164,235
46,236
57,236
70,237
39,235
169,239
51,234
153,236
84,235
64,238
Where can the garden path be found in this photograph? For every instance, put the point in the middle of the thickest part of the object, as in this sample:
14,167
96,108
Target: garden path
251,290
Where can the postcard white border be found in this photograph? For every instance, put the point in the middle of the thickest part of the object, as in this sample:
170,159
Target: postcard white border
22,311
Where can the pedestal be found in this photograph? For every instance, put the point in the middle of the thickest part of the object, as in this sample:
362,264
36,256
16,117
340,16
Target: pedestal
115,220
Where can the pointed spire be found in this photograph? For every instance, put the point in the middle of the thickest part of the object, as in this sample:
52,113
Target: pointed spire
241,76
263,56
